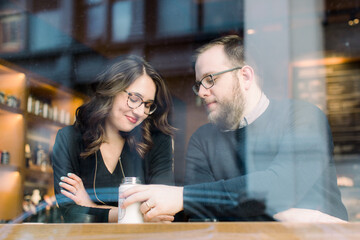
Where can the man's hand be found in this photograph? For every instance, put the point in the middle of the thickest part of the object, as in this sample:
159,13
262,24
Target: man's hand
73,188
159,202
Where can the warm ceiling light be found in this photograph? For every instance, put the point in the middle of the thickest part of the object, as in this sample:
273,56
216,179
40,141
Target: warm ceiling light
324,61
251,31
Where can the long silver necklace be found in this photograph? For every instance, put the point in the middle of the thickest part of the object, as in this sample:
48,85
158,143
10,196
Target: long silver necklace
96,162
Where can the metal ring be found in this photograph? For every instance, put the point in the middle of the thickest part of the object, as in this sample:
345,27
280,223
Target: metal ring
148,205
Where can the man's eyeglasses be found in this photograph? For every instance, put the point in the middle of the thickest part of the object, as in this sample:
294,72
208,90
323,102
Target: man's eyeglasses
135,101
209,81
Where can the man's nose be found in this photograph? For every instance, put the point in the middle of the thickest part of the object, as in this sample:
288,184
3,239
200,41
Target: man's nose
203,92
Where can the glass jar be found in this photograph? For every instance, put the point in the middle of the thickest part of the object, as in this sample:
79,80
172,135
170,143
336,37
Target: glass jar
132,213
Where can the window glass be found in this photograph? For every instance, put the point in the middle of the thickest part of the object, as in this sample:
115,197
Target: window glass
222,15
96,22
46,31
176,17
53,54
12,30
93,1
12,27
122,20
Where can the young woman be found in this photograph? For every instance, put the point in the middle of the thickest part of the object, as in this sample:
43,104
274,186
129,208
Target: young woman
123,131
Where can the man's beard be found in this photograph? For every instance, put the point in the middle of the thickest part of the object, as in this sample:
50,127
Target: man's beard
229,111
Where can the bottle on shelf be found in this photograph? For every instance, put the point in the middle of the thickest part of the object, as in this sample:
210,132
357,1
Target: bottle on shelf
38,107
44,163
27,155
2,97
12,101
55,114
30,104
45,112
35,197
5,157
40,155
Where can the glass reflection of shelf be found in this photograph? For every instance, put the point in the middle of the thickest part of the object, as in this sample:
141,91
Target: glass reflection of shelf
33,169
37,138
32,185
38,176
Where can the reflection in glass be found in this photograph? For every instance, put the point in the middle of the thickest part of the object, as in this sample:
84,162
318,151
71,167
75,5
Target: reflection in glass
95,25
176,17
121,20
46,31
12,23
222,15
93,1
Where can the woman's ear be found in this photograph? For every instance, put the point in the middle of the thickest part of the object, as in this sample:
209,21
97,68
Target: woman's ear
247,75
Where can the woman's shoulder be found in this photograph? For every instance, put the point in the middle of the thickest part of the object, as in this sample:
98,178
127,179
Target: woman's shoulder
70,132
68,137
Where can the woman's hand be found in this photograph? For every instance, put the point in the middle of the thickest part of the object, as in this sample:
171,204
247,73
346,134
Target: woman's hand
73,188
159,202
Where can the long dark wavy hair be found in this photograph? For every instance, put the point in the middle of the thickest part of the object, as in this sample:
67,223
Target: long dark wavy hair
90,117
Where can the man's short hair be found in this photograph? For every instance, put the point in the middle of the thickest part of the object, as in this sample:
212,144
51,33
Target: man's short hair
233,47
234,50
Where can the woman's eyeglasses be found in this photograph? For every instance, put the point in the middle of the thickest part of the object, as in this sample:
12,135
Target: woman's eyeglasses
135,100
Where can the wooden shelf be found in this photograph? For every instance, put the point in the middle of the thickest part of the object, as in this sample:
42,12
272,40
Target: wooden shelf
33,185
20,128
6,109
344,112
36,120
8,168
352,158
38,177
345,129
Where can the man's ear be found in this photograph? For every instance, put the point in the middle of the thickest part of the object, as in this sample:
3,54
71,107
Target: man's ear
247,74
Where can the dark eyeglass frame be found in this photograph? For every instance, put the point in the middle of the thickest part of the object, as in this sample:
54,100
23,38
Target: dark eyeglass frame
151,111
196,87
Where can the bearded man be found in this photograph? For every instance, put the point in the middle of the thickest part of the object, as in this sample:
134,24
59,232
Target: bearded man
257,159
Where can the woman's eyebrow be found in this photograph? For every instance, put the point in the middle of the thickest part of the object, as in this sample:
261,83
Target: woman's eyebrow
142,97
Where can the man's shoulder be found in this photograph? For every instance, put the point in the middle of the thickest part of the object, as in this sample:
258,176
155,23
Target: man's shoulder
208,127
296,111
291,105
205,131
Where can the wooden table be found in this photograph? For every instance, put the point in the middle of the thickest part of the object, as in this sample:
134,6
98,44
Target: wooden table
173,231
